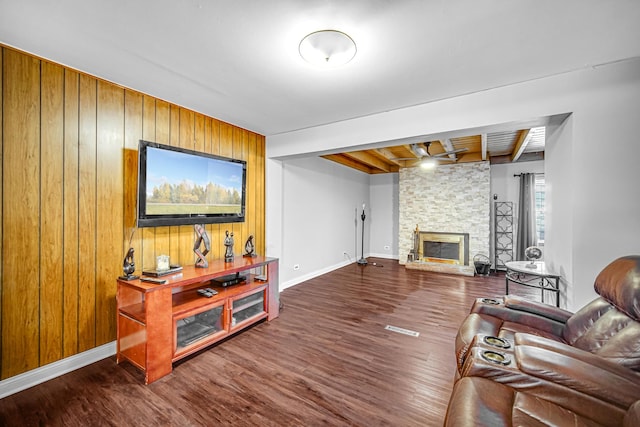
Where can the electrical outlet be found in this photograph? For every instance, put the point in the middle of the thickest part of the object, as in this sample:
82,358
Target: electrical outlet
296,266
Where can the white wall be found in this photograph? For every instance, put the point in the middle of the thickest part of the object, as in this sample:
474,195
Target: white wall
595,204
602,189
383,195
318,218
503,182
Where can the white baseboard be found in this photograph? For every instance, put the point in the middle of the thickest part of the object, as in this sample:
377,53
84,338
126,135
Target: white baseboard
313,274
45,373
325,270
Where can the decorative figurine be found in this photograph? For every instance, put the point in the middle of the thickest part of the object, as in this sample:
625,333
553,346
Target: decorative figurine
415,251
228,243
128,266
202,236
249,248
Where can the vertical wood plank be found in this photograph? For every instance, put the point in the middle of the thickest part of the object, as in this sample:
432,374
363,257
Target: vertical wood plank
164,122
110,206
239,228
1,174
251,204
174,140
216,230
87,213
167,238
261,245
68,169
20,218
186,235
226,150
51,212
200,142
148,234
133,125
71,212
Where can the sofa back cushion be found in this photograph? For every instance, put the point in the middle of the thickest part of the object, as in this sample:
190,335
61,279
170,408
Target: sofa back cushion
604,328
619,284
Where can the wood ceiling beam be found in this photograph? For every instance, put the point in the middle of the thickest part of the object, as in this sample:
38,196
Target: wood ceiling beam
526,157
483,146
345,161
409,150
370,160
387,154
469,157
523,140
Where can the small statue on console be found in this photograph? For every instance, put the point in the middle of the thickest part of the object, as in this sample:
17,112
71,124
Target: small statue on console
228,244
128,266
249,248
201,262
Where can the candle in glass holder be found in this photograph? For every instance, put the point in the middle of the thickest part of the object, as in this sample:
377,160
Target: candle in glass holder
162,262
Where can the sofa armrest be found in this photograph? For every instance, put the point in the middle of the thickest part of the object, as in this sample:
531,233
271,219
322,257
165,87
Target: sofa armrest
580,371
571,391
541,318
539,309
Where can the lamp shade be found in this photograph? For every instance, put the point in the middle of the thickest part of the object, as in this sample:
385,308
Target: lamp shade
327,48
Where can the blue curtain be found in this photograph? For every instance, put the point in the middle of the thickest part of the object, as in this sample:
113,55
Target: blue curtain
526,215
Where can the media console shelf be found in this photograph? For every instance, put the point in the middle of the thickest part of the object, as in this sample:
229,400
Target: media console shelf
159,324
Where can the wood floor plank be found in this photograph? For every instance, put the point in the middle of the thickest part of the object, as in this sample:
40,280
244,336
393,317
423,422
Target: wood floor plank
327,360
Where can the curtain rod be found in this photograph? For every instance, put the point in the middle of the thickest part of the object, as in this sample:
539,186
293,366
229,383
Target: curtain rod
537,173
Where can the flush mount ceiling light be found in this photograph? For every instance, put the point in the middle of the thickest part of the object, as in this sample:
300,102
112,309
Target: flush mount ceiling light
327,48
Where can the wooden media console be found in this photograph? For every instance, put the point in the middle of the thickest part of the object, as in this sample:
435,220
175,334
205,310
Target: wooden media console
159,324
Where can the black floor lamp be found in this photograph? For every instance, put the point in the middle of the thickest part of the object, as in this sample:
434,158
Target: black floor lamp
362,260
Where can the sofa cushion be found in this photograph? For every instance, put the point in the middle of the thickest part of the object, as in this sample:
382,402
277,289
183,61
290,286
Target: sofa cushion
602,329
479,401
619,284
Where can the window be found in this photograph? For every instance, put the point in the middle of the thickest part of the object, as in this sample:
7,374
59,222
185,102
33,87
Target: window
540,208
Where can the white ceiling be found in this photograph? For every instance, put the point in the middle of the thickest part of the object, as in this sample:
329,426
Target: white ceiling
238,60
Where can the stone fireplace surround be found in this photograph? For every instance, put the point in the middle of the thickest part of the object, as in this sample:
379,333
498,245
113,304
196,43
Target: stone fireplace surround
449,199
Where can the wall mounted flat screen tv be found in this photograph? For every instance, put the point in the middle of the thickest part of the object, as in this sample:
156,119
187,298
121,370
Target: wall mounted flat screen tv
177,186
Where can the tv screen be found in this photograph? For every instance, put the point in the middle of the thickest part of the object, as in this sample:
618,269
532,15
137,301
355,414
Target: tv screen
177,186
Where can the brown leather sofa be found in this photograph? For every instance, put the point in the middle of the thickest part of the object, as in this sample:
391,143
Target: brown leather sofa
480,402
608,326
525,363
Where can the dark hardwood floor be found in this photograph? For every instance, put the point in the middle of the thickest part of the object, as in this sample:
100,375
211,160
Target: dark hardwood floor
327,360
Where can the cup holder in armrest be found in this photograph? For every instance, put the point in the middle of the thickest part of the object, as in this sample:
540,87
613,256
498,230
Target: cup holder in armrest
496,342
490,301
495,357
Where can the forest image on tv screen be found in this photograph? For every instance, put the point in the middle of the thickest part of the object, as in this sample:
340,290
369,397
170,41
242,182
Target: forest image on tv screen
185,184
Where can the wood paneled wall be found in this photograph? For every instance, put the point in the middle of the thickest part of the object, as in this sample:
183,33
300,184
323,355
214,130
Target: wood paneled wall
69,172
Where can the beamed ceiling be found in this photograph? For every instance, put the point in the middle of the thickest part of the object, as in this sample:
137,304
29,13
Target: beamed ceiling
509,146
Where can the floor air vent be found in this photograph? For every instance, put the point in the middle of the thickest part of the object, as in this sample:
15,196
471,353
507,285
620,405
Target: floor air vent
402,331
